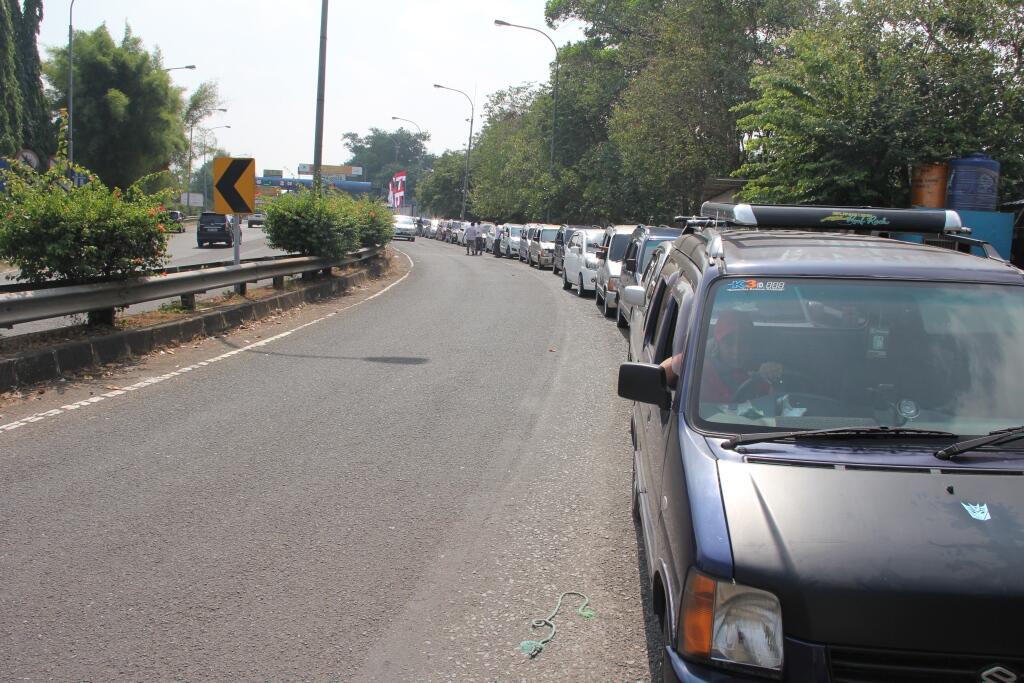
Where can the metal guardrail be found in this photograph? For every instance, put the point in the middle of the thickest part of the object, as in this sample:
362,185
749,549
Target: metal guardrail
53,284
40,304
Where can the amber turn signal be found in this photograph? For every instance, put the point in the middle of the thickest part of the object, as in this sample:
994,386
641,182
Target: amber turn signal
697,615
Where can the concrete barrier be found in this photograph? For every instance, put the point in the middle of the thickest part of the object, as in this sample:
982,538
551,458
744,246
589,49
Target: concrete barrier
39,365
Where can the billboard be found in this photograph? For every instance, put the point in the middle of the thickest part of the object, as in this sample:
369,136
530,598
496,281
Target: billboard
396,190
329,170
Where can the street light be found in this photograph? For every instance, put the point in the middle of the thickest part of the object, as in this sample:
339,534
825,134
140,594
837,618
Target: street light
554,90
399,118
176,68
71,85
188,173
206,153
420,131
469,145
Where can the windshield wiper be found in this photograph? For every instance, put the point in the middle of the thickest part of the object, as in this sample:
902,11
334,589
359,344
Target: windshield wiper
993,438
838,432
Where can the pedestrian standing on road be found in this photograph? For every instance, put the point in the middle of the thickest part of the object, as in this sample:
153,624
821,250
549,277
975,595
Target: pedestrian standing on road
470,237
480,238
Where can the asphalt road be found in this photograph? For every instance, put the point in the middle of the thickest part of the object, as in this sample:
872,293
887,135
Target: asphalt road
391,492
182,250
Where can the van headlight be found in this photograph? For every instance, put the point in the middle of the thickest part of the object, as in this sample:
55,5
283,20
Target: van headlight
731,624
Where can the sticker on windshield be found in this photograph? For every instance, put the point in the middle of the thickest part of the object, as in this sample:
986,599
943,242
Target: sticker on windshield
756,286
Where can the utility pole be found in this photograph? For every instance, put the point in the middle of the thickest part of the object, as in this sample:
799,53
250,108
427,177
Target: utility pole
318,145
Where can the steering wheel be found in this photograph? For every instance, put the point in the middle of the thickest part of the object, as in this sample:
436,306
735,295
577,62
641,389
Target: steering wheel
815,404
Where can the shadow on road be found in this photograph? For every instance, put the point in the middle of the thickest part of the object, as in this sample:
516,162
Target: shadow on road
387,360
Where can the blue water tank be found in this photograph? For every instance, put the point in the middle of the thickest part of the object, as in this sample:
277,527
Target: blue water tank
973,183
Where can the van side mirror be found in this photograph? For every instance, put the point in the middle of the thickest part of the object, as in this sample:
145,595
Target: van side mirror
644,383
634,295
601,253
630,265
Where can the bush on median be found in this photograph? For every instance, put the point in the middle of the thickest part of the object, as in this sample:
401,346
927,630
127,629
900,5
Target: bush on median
329,225
52,229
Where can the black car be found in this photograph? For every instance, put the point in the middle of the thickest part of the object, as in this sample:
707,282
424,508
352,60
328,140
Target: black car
562,238
642,243
214,227
828,458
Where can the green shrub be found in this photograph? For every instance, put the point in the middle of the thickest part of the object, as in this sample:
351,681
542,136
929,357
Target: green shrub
377,226
330,225
51,230
311,224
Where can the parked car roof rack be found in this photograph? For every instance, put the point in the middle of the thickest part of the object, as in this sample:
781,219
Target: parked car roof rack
832,218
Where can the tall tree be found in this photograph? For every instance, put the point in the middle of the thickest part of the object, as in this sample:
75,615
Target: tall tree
383,153
878,85
37,130
510,179
440,192
128,114
10,88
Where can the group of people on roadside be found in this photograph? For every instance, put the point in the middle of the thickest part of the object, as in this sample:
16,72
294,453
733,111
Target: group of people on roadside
474,239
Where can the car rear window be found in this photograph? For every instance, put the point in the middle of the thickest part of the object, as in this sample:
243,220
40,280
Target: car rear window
212,219
619,244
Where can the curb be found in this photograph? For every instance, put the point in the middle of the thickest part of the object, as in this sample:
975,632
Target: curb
30,367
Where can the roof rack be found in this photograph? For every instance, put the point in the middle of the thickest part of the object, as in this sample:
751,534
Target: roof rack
789,217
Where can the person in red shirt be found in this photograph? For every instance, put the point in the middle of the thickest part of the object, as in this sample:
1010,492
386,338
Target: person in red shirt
726,378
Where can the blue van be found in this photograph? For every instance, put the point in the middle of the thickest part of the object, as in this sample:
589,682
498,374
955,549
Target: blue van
828,436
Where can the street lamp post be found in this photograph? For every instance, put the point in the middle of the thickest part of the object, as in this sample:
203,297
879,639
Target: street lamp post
71,85
188,172
206,153
469,145
177,68
318,135
554,89
418,130
399,118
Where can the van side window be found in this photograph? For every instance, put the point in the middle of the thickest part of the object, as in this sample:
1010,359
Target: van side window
631,251
686,296
657,303
662,339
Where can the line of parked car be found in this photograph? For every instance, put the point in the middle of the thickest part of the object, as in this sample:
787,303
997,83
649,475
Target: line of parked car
592,260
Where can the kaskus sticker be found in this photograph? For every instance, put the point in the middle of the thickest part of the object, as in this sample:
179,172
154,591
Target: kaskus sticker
756,286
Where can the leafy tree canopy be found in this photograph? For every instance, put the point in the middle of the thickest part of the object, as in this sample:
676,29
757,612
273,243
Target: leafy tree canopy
383,153
127,113
876,86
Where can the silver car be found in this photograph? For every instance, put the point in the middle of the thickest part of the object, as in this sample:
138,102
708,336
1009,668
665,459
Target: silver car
542,248
527,238
581,263
611,253
405,228
508,245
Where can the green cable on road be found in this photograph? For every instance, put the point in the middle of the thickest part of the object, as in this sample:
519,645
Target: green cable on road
535,647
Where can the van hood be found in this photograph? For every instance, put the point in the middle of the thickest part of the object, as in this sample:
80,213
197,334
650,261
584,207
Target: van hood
892,558
614,268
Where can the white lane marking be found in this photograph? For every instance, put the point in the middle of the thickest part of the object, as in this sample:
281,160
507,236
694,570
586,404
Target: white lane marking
150,381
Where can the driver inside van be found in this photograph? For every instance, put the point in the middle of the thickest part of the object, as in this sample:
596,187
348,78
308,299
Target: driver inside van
726,377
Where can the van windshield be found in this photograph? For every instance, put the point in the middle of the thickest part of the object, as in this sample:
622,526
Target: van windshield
808,354
548,234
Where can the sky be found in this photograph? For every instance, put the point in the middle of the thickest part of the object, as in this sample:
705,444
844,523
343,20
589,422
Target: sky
382,61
